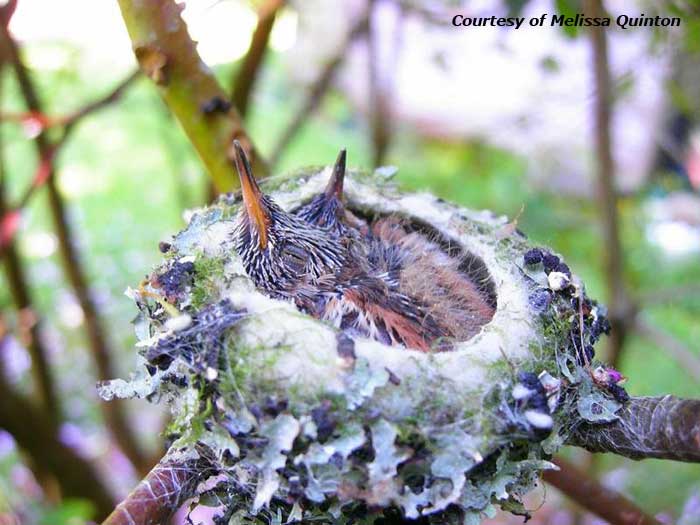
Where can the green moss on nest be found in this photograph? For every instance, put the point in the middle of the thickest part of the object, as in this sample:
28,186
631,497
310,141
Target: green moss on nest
206,287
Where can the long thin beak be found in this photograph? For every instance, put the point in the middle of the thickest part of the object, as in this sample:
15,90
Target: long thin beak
335,184
252,196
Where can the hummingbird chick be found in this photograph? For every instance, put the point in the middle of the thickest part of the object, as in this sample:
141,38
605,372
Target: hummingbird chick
283,254
333,266
450,294
327,209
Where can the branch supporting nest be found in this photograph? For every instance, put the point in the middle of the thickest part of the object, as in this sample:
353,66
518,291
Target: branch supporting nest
648,427
169,484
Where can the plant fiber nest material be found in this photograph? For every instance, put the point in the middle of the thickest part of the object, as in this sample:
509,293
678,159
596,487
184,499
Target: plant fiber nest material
301,421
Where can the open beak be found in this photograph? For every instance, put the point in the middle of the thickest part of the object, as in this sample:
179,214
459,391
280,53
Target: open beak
252,196
335,185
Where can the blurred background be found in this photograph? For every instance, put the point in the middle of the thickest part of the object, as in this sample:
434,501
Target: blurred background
486,117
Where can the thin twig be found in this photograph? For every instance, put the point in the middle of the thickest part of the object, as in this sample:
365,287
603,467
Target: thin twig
380,83
620,308
113,96
605,503
248,72
316,92
684,356
69,123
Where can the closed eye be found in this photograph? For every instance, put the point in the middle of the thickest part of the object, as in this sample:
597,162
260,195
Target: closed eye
295,258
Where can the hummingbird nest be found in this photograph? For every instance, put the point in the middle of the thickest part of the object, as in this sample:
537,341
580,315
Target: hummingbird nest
308,419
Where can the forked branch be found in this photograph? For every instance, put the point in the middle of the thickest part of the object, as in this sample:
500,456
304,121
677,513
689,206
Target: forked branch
168,56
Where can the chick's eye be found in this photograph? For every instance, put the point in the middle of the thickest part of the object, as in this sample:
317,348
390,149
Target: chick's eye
295,257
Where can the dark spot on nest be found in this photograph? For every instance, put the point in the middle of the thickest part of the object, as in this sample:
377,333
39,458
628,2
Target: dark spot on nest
530,380
273,407
550,262
164,247
256,411
336,460
345,346
619,393
325,421
215,105
540,299
563,268
393,378
538,400
296,488
533,256
176,278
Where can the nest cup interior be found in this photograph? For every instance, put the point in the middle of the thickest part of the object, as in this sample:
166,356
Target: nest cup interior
470,265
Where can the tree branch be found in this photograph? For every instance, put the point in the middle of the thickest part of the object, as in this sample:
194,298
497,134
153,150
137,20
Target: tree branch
69,122
248,72
605,503
113,96
648,427
168,56
620,308
167,486
317,91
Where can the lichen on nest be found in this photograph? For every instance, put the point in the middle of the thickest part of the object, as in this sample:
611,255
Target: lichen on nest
309,422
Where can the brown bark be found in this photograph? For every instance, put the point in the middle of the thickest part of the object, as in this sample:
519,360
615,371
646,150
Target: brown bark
620,309
169,484
648,427
316,92
99,346
605,503
248,72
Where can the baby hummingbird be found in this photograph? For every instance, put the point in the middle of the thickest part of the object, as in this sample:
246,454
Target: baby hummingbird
327,209
283,254
337,268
